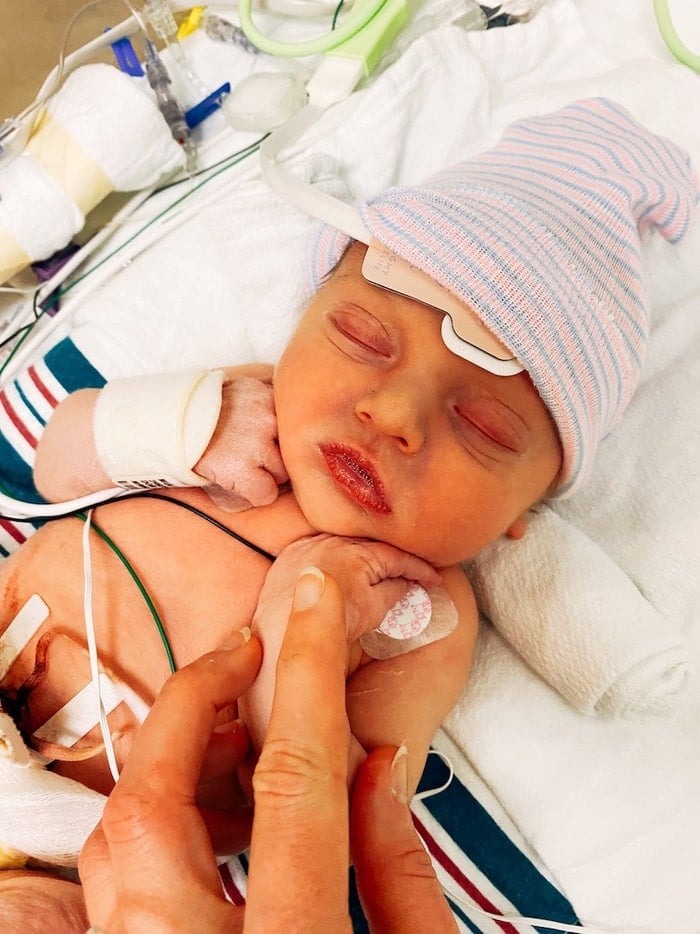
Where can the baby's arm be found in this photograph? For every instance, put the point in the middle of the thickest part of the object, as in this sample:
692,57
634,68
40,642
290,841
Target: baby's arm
403,700
241,453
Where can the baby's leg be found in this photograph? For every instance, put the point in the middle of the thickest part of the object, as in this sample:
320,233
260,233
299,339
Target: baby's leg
34,903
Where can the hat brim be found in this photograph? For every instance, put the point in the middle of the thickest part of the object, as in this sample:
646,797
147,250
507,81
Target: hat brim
462,331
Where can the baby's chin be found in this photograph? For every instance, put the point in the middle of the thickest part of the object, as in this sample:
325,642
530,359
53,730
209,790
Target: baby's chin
352,528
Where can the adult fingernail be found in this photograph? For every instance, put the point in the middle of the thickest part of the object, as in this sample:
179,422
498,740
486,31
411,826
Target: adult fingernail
399,775
239,638
309,589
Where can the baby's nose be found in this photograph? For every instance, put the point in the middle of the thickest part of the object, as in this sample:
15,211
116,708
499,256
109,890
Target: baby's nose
396,412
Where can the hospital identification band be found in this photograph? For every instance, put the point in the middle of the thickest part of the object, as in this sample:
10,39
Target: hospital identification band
150,431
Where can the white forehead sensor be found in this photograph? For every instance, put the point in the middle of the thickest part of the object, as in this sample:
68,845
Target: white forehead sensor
461,330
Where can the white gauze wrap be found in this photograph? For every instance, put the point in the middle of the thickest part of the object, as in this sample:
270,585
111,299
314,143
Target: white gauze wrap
42,815
150,431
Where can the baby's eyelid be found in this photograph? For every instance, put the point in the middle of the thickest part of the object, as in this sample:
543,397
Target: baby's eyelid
363,329
501,435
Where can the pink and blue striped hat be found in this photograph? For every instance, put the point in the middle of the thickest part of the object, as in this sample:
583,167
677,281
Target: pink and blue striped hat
541,237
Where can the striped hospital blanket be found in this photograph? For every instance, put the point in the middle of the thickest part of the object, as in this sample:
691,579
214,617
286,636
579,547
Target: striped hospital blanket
476,858
26,404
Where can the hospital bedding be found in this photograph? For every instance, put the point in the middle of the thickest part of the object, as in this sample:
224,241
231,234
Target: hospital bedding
555,812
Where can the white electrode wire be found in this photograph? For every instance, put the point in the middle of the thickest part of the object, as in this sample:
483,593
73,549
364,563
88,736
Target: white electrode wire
78,258
46,288
516,920
309,198
92,648
97,277
101,273
431,792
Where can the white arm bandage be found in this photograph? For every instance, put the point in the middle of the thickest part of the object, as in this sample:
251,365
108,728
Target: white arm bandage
150,431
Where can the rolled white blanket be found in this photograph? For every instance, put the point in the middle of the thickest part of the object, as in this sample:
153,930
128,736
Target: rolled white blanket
579,621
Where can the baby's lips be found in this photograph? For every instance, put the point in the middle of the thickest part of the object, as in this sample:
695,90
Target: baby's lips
419,618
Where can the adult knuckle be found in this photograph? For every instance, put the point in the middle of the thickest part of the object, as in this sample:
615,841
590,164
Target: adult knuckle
413,862
129,813
289,772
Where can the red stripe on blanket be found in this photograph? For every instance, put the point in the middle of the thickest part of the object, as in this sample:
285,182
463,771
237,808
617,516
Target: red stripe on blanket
17,422
456,873
12,531
42,387
230,886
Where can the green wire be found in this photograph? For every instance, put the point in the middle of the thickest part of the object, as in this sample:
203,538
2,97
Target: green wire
27,329
336,14
137,580
238,158
668,33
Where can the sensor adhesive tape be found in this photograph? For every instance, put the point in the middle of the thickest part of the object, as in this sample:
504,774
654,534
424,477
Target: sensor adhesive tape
419,618
150,431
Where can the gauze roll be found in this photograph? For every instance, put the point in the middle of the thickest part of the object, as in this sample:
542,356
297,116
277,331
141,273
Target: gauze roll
42,815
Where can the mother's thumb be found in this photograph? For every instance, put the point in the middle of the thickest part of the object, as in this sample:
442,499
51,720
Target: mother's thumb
398,886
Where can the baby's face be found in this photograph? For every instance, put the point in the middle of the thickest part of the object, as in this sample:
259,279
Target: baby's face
388,435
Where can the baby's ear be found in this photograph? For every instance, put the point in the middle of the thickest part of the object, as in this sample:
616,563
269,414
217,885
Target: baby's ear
518,528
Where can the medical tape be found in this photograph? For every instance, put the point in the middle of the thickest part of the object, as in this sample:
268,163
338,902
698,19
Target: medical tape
151,430
72,168
21,630
79,715
13,256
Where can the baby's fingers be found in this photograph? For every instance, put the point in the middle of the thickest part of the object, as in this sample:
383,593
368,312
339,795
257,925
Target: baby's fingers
258,486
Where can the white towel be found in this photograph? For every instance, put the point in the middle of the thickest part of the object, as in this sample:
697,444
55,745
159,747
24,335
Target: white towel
578,620
43,815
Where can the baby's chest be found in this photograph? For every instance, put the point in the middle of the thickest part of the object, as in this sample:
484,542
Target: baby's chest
156,597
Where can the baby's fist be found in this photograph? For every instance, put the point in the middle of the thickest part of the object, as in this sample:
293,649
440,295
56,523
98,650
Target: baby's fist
243,460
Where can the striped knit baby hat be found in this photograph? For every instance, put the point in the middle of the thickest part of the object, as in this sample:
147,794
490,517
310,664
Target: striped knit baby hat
541,236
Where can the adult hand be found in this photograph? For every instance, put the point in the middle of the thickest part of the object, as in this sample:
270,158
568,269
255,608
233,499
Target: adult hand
149,867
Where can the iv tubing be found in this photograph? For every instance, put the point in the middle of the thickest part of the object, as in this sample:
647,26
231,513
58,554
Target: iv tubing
357,20
673,41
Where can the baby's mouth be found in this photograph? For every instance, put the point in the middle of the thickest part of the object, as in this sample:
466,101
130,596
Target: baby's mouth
356,476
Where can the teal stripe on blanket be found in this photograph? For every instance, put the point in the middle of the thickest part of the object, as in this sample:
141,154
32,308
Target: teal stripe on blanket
16,474
71,368
73,371
476,833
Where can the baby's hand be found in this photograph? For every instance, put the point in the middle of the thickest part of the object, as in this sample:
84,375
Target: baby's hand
373,576
243,460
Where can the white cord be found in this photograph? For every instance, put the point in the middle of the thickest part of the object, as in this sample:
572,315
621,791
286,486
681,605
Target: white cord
92,648
542,922
431,792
